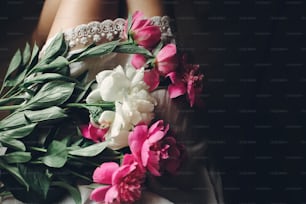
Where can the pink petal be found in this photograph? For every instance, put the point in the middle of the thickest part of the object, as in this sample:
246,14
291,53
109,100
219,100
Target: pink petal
156,136
137,15
151,78
145,153
191,94
158,126
112,196
138,61
104,173
147,36
178,87
122,172
164,67
176,90
137,20
136,140
166,52
153,164
98,194
173,77
128,159
97,134
140,23
85,131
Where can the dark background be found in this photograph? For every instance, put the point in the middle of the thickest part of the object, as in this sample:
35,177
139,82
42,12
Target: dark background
253,56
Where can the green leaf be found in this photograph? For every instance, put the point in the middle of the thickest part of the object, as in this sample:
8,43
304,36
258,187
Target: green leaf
26,54
102,49
158,48
37,179
34,56
19,78
95,185
56,48
14,64
132,49
74,192
12,143
46,77
129,20
18,119
57,64
14,171
51,94
85,90
90,151
77,54
56,155
18,132
17,157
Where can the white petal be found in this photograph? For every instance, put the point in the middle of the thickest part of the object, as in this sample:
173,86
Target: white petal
114,87
94,97
130,71
119,69
102,75
107,117
145,106
120,141
138,77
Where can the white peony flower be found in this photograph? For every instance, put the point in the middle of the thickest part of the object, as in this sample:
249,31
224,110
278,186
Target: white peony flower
134,104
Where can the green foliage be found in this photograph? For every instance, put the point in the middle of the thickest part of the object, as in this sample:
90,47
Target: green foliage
56,155
41,151
90,151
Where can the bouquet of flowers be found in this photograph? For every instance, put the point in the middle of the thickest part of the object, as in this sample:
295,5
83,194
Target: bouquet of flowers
62,131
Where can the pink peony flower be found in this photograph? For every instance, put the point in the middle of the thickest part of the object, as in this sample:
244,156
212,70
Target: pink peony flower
154,149
94,133
142,31
123,182
190,82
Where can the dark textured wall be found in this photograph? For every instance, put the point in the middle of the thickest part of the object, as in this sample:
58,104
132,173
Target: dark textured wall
253,55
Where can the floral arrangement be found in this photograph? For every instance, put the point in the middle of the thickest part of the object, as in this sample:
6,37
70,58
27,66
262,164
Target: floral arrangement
63,130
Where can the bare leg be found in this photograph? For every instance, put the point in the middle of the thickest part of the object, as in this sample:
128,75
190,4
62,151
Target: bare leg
75,12
148,7
45,21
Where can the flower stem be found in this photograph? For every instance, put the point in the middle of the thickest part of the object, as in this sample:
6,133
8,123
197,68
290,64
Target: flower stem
79,175
86,161
8,92
83,105
12,107
38,149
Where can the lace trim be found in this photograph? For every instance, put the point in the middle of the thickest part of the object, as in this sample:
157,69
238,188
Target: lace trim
164,23
109,30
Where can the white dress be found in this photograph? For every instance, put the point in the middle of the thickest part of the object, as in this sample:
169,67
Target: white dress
196,183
